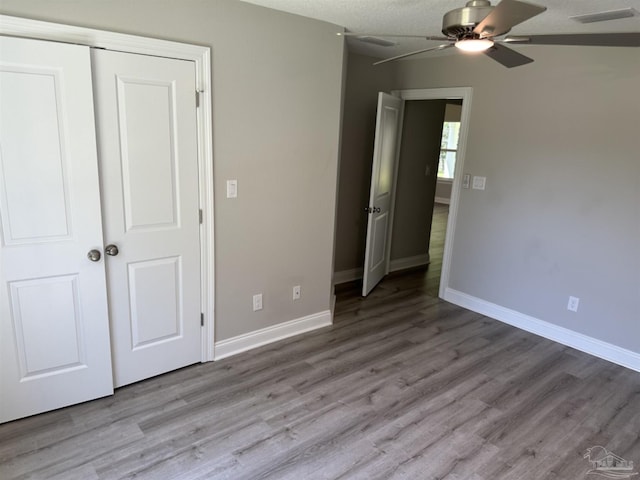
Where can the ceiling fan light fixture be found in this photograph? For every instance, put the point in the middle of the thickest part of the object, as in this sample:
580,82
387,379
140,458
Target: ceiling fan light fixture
474,44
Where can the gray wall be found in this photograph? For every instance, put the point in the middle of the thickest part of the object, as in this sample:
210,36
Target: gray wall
277,84
363,83
558,141
453,112
443,190
415,189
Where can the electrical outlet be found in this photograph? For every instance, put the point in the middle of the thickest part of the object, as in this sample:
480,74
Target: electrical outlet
573,304
296,292
257,302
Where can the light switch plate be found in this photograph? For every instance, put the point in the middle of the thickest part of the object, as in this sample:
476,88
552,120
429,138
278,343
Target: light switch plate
479,183
232,188
466,180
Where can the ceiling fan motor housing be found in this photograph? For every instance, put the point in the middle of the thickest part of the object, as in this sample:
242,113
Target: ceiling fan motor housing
459,23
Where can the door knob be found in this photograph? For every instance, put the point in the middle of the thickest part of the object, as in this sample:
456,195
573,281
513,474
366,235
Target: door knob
94,255
111,250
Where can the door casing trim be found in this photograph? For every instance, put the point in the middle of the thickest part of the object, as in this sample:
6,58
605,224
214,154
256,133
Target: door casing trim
201,56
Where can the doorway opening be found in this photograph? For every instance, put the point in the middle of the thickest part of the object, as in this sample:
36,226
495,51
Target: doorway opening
441,217
426,168
447,160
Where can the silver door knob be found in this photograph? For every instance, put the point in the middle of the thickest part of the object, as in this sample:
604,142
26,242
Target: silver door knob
111,250
94,255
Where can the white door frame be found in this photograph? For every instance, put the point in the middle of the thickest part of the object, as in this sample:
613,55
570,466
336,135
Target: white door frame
457,93
201,56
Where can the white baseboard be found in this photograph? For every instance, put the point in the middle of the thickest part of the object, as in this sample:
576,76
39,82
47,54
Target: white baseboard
579,341
445,200
408,262
242,343
345,276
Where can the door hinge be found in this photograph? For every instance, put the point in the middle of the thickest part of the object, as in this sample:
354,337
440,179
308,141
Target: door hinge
200,216
198,95
202,319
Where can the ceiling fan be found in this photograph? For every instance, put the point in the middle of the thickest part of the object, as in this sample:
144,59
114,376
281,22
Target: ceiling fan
474,28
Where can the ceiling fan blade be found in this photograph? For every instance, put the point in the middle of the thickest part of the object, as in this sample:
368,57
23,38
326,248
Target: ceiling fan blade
506,15
629,39
424,37
398,57
507,57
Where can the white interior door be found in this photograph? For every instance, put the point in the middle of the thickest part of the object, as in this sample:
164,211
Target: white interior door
146,115
54,332
385,157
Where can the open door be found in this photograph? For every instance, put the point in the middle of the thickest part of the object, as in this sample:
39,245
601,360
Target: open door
379,210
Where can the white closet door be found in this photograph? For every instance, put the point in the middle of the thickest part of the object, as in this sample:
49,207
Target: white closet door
54,333
146,116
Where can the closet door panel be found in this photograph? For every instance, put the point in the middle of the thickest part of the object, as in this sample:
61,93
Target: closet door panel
149,176
54,332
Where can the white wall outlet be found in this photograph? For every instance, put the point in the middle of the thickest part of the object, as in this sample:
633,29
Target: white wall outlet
257,302
573,304
232,188
479,183
296,292
466,180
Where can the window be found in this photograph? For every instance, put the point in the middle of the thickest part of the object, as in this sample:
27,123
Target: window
448,149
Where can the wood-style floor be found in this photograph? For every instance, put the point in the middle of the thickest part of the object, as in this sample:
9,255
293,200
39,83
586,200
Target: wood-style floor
431,280
403,386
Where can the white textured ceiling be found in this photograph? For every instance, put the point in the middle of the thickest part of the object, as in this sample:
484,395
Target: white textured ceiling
424,17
